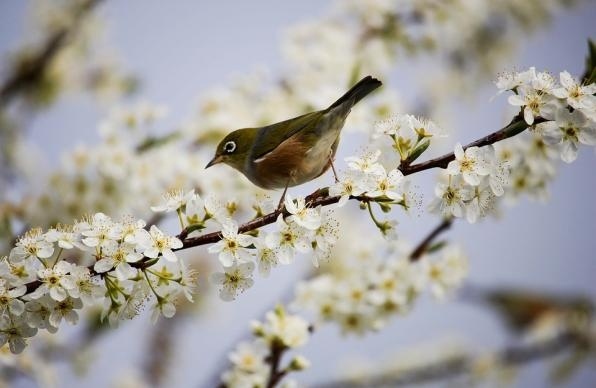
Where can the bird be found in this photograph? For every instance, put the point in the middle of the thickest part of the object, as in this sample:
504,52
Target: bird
294,151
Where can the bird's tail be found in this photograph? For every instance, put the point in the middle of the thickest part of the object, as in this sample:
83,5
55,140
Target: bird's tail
358,91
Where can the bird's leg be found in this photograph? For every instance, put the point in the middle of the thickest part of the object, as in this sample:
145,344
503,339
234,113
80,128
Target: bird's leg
280,205
333,168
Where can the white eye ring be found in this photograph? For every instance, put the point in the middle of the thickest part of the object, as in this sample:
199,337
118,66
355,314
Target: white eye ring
230,147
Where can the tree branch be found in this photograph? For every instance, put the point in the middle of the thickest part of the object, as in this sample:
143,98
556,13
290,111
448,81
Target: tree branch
460,365
31,72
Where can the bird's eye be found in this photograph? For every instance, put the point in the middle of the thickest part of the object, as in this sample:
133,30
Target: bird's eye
230,147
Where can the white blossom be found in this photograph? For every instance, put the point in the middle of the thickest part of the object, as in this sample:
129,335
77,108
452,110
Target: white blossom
55,281
481,203
448,272
118,258
471,164
569,129
14,331
577,95
100,233
84,287
291,330
9,299
156,243
33,244
348,185
65,309
533,101
388,185
232,248
366,164
287,239
173,200
233,280
450,197
250,357
301,214
266,258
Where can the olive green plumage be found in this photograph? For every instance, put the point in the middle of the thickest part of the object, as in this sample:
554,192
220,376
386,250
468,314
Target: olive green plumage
293,151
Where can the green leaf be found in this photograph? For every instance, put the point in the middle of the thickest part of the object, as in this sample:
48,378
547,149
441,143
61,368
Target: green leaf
590,71
561,372
436,246
194,228
418,150
152,142
386,208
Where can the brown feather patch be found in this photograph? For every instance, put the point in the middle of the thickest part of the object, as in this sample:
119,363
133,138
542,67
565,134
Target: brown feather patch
287,160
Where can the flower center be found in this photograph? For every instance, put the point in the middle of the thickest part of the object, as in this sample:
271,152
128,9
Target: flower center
571,132
575,92
534,104
467,165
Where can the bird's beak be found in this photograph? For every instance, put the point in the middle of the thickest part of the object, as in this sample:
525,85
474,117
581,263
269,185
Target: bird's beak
215,160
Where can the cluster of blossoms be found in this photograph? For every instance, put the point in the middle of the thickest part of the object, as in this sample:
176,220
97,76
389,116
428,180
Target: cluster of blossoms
568,113
118,265
365,293
256,363
477,176
370,181
569,108
471,184
127,164
305,230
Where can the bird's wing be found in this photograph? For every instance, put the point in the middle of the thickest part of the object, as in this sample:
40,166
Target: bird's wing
271,136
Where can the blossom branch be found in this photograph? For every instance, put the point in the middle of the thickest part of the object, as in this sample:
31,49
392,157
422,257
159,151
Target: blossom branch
321,197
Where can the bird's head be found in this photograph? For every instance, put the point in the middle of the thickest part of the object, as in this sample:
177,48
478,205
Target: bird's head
235,148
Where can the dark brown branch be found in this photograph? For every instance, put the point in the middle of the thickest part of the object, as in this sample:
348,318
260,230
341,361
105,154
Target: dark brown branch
425,244
32,71
461,365
515,127
274,359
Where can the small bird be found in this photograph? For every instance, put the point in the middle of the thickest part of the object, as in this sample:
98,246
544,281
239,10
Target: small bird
293,151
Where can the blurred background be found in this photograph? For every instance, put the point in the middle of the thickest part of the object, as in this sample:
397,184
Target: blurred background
180,58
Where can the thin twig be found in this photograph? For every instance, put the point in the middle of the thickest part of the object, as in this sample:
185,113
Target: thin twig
425,244
274,359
